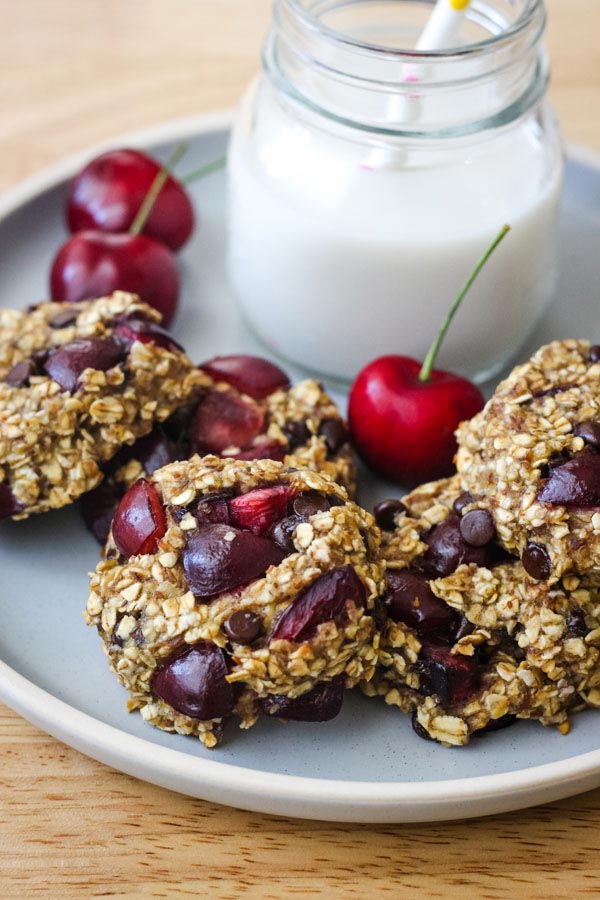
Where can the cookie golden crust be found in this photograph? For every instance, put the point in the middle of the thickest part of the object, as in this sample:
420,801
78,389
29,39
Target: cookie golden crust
512,459
308,601
60,422
511,646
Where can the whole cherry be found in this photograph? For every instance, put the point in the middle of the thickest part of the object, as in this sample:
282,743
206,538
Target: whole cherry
403,415
93,263
108,193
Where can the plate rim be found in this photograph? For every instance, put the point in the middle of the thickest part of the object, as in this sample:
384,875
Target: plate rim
227,782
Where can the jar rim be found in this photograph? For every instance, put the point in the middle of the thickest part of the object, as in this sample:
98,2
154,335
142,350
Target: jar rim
494,41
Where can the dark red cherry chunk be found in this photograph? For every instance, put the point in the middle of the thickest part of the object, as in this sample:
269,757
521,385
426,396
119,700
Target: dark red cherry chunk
66,364
9,505
321,704
325,600
453,678
135,328
194,683
213,509
108,193
409,599
93,264
154,450
222,420
140,521
268,450
98,508
219,558
447,549
251,375
575,484
259,509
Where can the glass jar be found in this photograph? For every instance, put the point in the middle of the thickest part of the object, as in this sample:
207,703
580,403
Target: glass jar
366,180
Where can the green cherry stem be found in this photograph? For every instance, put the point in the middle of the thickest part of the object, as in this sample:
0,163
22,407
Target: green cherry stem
204,170
155,189
425,373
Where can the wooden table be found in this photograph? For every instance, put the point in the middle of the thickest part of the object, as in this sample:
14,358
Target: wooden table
73,72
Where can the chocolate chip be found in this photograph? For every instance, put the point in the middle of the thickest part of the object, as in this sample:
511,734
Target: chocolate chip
335,433
477,527
496,725
595,353
308,503
282,533
386,512
297,433
464,628
576,623
20,374
590,432
418,728
536,561
63,318
243,626
462,501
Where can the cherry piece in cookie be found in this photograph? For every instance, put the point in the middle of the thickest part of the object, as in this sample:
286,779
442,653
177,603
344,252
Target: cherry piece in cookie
66,364
575,484
325,600
194,682
258,510
140,521
9,505
218,558
130,329
93,264
108,193
321,704
251,375
409,599
453,678
222,420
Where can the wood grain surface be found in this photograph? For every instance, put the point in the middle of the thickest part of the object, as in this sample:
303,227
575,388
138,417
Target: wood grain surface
73,72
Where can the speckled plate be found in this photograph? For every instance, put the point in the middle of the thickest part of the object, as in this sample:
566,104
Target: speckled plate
365,766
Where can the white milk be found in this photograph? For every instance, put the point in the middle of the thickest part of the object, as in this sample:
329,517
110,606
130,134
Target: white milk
335,262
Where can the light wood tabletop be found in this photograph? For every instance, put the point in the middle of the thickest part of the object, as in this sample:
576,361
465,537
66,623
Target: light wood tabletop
74,73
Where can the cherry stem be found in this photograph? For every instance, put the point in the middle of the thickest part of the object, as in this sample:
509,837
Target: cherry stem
425,373
155,189
204,170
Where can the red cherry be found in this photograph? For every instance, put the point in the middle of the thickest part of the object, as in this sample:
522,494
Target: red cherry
252,375
259,509
404,428
140,521
108,192
93,264
403,414
224,419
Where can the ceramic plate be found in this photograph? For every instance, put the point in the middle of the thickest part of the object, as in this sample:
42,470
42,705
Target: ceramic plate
365,766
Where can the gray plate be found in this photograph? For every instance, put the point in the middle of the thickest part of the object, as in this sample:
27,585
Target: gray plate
367,765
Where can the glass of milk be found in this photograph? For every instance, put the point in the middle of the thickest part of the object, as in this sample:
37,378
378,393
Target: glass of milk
366,180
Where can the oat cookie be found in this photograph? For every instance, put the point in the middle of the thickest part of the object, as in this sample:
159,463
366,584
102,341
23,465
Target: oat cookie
532,458
245,418
78,382
237,587
472,641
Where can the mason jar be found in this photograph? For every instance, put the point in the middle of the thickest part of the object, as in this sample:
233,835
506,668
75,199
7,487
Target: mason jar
366,178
